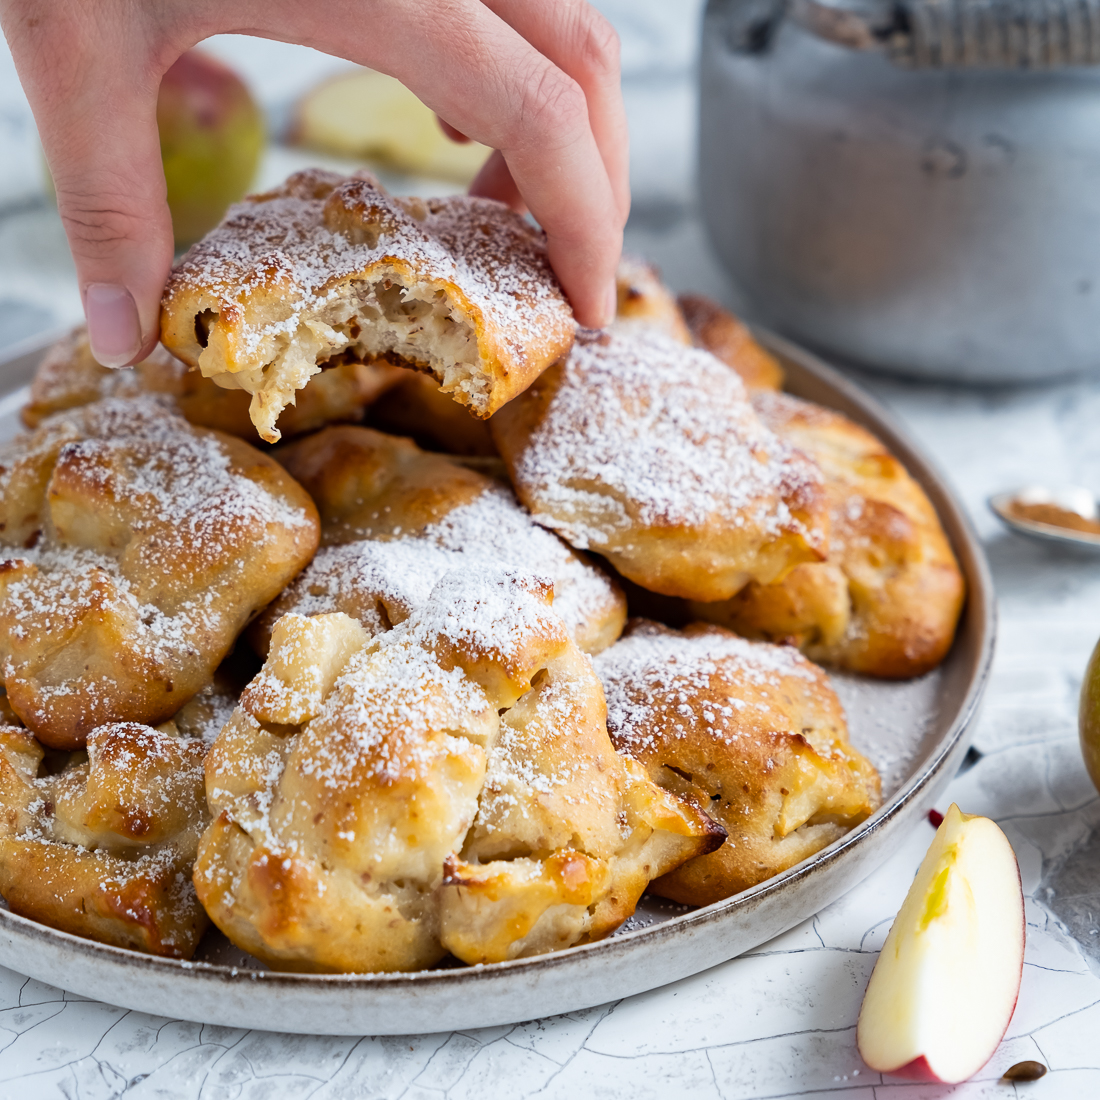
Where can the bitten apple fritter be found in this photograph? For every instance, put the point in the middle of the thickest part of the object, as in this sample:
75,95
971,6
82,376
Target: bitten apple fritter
326,266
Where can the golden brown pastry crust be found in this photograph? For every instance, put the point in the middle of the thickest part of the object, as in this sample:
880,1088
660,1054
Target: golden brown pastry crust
642,298
447,785
887,600
460,286
104,848
416,407
69,377
730,339
751,733
649,453
395,518
136,548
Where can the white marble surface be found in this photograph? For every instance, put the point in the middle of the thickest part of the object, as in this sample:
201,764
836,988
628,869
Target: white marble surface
778,1022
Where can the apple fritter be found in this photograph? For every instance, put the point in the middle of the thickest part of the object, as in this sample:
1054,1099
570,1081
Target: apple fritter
103,845
69,377
416,407
725,336
749,732
445,786
887,599
650,453
643,299
326,265
394,519
135,550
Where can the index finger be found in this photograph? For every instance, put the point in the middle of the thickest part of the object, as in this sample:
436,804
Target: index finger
491,84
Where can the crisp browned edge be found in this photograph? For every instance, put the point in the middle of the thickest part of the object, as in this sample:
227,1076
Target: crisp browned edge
808,377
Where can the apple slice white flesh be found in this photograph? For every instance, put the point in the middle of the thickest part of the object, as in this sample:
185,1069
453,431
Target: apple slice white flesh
945,985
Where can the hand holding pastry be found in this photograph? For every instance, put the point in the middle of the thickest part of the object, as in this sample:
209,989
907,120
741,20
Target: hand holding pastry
539,83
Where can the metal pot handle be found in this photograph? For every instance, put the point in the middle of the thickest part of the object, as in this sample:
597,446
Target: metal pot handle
933,34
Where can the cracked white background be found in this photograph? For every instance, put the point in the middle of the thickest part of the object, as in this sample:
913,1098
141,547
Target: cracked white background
780,1021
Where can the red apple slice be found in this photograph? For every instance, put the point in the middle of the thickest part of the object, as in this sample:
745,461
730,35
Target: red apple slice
945,985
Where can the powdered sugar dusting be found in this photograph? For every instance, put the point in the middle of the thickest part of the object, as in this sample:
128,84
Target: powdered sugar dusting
491,529
654,666
405,698
145,545
182,475
281,240
642,430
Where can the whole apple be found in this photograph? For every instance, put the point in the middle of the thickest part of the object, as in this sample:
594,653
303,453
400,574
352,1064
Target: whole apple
1088,717
211,138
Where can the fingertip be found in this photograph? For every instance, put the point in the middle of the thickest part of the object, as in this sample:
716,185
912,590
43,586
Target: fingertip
114,328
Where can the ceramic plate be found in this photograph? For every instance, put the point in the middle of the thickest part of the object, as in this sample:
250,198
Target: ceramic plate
915,732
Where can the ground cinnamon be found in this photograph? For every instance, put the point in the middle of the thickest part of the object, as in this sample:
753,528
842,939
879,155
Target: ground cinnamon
1053,516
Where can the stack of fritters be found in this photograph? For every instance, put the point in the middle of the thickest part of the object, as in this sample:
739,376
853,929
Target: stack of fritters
446,786
424,763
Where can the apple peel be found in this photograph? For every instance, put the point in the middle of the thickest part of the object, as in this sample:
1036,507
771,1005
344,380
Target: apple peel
944,988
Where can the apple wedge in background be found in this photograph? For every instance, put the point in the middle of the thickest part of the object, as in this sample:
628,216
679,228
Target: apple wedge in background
945,985
367,115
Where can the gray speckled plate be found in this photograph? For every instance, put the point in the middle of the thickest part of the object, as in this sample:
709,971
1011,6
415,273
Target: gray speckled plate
915,733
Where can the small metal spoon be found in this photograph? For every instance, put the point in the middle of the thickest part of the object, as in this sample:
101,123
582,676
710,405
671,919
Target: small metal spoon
1070,498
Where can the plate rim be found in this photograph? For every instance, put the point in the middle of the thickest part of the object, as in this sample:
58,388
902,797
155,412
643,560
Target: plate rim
981,605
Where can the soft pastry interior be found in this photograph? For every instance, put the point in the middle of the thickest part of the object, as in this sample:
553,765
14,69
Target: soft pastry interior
447,785
751,733
460,287
69,377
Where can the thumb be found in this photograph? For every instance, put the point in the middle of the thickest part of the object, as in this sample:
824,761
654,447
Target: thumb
96,118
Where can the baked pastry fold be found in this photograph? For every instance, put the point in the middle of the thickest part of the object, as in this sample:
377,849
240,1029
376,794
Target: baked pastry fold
728,338
394,519
104,847
69,377
650,453
644,300
135,550
416,407
751,733
887,599
445,786
326,265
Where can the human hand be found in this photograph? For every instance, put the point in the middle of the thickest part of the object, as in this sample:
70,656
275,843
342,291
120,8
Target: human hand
537,81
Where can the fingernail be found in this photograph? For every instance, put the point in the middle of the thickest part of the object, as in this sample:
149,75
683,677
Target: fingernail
114,330
612,306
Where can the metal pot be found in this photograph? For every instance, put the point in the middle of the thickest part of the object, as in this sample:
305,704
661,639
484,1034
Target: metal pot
914,186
